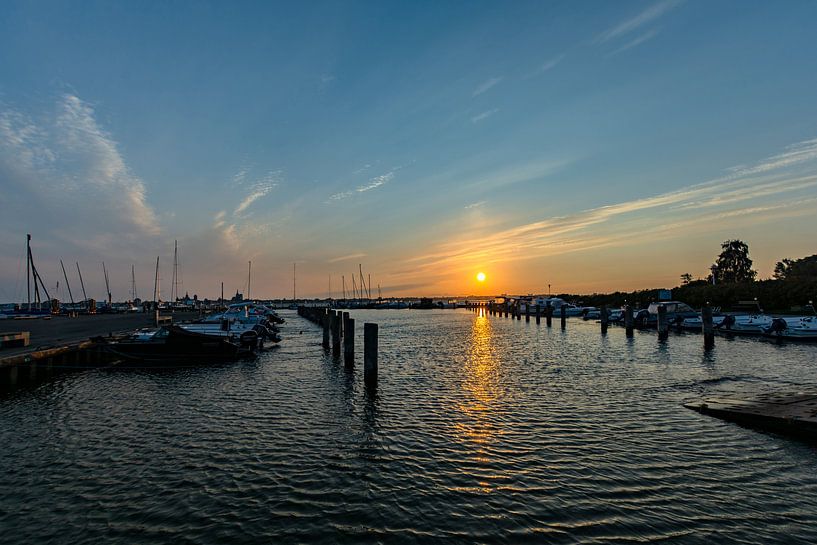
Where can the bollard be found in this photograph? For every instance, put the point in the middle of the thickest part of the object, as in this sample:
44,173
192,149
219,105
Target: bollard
325,323
370,353
563,312
349,342
548,314
538,314
628,320
708,328
663,326
336,334
604,319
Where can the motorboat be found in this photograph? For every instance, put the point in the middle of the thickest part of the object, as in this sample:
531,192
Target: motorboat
172,343
802,328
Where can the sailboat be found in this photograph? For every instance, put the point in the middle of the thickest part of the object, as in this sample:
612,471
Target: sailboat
37,307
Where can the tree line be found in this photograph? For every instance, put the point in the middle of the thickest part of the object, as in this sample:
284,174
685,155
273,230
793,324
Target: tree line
731,282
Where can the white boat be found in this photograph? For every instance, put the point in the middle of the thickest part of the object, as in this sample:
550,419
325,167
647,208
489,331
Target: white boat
802,328
696,323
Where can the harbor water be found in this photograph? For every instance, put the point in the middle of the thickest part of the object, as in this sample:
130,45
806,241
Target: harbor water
481,430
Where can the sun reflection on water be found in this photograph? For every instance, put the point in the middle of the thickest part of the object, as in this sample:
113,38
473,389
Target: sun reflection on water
481,404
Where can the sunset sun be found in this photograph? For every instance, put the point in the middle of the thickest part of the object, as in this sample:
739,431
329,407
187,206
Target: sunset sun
480,277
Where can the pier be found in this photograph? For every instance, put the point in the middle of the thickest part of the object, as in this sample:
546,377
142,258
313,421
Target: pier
61,343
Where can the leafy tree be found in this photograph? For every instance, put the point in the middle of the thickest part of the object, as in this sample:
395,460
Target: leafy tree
781,269
789,269
733,264
686,278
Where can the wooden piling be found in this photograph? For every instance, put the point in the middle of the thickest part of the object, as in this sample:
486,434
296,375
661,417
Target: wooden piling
707,327
325,322
527,312
628,320
335,317
538,314
605,318
370,353
506,309
549,314
518,309
563,312
349,342
663,325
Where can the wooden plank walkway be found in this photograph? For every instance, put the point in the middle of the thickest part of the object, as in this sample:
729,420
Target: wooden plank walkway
793,413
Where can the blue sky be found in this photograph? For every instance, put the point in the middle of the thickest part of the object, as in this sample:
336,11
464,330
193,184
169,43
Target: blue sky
559,143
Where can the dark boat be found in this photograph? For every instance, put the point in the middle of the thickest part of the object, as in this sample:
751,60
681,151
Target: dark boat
172,343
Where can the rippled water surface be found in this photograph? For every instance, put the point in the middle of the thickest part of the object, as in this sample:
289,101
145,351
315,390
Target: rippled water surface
481,430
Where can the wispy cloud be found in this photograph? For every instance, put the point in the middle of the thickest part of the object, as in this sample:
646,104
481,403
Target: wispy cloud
346,257
373,183
650,34
777,187
547,65
474,205
69,169
484,115
256,190
485,85
647,16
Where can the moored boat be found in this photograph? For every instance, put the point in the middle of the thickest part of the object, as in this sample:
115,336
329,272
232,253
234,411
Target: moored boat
173,343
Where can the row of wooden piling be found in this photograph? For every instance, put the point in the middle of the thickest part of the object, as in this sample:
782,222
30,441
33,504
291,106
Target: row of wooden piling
513,310
339,337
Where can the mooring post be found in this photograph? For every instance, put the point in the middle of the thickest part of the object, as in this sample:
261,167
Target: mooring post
563,312
336,334
548,314
628,320
527,312
370,353
708,328
663,326
538,313
325,323
349,342
518,310
604,319
506,308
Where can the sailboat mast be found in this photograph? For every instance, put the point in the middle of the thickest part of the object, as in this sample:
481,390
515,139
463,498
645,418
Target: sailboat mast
369,288
71,295
28,270
156,283
249,278
330,286
107,284
81,283
354,288
343,281
293,281
133,282
174,288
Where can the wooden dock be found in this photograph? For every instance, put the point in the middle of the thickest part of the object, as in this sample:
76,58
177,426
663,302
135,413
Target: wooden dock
792,413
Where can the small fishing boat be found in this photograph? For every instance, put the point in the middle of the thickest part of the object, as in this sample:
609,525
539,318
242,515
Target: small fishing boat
801,328
172,343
